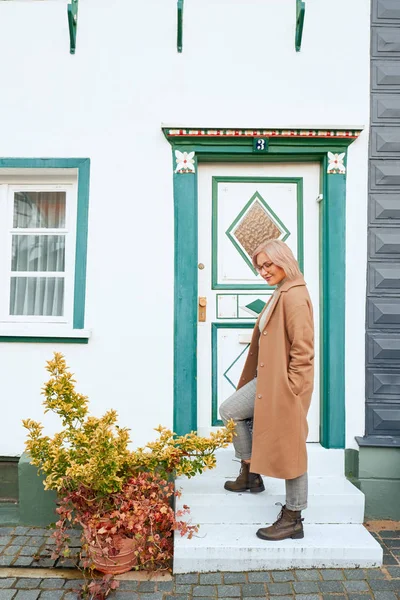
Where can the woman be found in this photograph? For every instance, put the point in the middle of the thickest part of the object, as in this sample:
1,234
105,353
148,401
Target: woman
275,391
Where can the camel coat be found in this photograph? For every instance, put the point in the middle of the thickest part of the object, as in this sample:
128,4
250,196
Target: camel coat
282,358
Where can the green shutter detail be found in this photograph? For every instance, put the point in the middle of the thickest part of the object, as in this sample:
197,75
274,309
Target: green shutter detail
300,12
72,24
180,25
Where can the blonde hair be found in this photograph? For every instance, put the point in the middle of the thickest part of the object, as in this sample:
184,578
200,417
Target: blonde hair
281,255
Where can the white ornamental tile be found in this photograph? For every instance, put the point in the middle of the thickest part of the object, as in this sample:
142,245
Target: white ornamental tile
336,163
184,162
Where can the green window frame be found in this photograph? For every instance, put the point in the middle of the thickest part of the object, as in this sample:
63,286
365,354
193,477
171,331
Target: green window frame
82,167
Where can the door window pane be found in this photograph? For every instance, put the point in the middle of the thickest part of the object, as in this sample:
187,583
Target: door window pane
37,296
39,209
38,253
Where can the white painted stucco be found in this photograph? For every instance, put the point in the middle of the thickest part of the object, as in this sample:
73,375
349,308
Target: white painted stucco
238,69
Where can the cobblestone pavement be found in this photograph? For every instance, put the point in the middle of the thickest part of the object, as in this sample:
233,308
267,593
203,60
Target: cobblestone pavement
31,547
390,542
307,584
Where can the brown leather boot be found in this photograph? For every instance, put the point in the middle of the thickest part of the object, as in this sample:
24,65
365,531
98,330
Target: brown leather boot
246,481
289,524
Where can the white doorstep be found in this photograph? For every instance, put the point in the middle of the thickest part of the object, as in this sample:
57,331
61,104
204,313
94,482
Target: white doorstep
321,462
330,500
237,548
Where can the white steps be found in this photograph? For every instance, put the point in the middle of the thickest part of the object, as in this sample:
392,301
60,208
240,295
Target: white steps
236,548
334,534
321,462
331,500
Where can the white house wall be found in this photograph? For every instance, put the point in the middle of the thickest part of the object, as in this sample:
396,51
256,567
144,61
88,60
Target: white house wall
238,68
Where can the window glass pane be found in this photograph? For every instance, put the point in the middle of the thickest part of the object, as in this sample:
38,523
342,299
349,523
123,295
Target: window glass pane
39,209
40,296
38,253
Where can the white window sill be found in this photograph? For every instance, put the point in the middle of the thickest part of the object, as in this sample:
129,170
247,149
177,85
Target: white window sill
29,330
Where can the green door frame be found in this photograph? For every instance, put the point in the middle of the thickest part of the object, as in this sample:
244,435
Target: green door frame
329,148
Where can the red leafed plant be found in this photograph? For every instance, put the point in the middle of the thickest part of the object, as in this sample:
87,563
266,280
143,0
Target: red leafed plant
122,499
141,511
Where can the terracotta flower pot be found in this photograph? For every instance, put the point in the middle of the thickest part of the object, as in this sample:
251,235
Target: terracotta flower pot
123,561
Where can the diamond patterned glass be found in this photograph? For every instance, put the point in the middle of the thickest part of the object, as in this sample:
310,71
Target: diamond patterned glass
256,227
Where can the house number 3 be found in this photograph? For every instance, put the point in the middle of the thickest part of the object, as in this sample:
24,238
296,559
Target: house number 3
260,145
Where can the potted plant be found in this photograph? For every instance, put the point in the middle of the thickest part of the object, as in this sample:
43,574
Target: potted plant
121,498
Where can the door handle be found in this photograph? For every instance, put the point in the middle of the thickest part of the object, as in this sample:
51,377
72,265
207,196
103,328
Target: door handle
202,309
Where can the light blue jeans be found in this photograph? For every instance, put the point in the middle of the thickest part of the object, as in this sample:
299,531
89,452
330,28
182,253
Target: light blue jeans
240,408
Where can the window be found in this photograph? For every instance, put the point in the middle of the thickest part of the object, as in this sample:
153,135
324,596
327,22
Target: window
41,285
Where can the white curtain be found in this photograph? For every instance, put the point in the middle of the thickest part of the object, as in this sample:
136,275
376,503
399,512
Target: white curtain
38,253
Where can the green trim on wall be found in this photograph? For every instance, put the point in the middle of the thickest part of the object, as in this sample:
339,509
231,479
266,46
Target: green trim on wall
237,136
83,167
298,181
43,340
215,421
185,303
209,146
332,252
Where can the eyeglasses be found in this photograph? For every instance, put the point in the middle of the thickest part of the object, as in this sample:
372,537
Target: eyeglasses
266,266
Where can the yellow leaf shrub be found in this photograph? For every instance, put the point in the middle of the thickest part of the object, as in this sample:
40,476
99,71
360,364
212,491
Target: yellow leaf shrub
94,452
